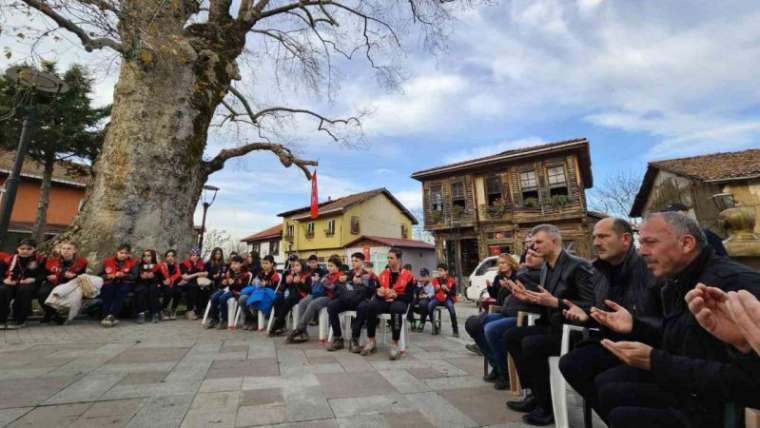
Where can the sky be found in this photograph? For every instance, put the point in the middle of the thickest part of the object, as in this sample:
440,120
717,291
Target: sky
642,81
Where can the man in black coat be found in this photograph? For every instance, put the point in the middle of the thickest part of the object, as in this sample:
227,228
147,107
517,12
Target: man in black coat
620,276
563,277
677,374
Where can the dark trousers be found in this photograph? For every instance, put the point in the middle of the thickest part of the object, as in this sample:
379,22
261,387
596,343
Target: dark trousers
113,296
170,295
282,307
531,348
202,296
452,312
582,365
42,294
421,307
147,298
334,309
629,397
397,309
191,294
22,301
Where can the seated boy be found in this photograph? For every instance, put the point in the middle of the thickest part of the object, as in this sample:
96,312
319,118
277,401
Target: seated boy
267,278
445,294
423,292
235,279
360,287
323,292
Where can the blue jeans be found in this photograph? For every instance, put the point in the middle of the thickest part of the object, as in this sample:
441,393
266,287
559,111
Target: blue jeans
493,331
219,305
113,296
449,305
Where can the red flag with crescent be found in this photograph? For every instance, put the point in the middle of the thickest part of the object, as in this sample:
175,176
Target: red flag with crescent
314,197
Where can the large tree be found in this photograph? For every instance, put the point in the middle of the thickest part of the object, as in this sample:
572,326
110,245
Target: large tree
178,62
67,127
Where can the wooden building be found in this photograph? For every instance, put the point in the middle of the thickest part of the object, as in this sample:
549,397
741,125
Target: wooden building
486,206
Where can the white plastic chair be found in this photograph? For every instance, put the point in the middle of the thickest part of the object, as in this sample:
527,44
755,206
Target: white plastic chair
557,381
384,318
514,381
324,324
232,312
345,324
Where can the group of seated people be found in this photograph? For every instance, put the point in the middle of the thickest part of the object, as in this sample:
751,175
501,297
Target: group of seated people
671,333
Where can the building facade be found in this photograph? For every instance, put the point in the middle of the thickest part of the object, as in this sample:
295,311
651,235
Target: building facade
344,220
419,254
67,192
267,242
487,206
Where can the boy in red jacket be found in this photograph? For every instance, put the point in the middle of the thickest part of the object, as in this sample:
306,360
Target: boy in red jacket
119,274
24,271
171,275
445,294
60,269
195,297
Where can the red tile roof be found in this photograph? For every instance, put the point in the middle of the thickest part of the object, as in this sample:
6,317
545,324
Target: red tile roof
266,234
64,172
340,204
394,242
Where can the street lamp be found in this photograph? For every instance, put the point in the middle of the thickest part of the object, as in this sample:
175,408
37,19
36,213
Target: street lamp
35,81
208,196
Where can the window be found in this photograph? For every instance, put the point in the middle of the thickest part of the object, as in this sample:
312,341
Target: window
355,225
291,231
529,188
436,198
274,247
557,181
493,190
330,228
310,229
457,195
404,232
256,248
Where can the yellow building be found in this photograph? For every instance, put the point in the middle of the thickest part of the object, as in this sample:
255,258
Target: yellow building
344,220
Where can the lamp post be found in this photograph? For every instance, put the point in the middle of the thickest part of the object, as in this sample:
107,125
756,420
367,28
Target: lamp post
206,195
34,81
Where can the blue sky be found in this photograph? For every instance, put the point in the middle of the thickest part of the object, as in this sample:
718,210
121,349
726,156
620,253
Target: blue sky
641,80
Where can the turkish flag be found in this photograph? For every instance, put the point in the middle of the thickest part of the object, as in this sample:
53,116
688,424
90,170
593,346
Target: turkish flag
314,197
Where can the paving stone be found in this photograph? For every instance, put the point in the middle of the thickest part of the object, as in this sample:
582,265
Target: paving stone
215,419
164,411
189,371
249,367
258,397
89,388
29,392
214,401
362,421
149,355
403,381
287,382
457,382
108,414
231,356
386,403
261,415
440,411
9,415
407,420
322,423
478,404
234,347
51,416
222,384
356,385
120,392
471,366
307,404
141,378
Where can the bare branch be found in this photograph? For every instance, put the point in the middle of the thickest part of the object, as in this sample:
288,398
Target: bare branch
287,158
89,43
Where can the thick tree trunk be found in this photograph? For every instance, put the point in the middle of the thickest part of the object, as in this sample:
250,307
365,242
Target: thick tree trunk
40,221
148,178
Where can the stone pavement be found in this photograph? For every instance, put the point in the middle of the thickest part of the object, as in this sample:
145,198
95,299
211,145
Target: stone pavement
176,374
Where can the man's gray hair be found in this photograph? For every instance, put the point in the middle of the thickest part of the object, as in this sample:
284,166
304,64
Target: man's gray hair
682,225
548,229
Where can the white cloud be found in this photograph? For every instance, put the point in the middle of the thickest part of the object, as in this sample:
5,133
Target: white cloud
491,149
411,199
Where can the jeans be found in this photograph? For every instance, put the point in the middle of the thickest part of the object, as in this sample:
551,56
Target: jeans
113,296
219,305
310,309
494,337
452,312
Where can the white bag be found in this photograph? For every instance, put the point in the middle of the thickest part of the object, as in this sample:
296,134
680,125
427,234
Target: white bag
69,295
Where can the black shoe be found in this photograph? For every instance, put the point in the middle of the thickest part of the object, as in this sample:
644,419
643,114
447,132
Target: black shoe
525,405
455,333
46,319
473,347
59,319
491,377
501,383
539,417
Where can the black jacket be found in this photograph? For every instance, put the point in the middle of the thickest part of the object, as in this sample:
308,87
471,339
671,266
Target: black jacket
571,279
689,361
636,289
510,305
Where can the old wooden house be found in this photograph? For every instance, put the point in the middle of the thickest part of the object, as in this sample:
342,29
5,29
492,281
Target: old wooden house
486,206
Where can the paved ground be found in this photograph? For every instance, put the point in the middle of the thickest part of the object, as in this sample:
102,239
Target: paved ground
176,374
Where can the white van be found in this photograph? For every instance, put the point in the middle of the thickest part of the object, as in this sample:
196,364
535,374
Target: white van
485,272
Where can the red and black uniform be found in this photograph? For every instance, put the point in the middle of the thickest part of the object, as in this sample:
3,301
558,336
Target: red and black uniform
58,271
295,287
22,277
171,275
361,286
401,283
231,285
148,288
216,273
445,295
195,297
268,279
236,281
118,279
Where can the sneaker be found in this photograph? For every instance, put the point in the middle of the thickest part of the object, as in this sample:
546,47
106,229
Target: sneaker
526,405
114,321
539,417
336,345
141,318
46,319
190,315
301,337
155,318
455,333
105,322
492,376
474,348
353,346
369,348
395,352
209,324
276,333
58,319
